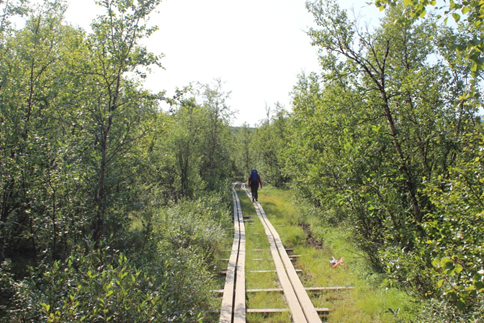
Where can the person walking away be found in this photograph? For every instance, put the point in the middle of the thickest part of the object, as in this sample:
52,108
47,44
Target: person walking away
254,182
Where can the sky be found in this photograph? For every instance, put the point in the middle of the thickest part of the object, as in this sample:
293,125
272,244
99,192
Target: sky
256,47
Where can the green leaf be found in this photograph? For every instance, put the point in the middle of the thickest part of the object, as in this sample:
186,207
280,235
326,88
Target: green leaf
444,261
458,269
479,285
460,305
436,263
439,283
456,17
45,306
449,265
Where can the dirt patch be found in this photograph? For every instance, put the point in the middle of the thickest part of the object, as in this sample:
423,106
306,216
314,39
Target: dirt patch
311,239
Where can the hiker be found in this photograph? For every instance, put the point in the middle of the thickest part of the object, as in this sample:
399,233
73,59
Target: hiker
254,181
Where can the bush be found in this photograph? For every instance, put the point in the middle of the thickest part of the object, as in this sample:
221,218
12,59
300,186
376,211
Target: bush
104,285
197,225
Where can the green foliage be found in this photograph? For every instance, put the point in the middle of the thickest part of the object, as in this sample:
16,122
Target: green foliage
100,286
455,231
387,116
86,152
468,13
70,121
198,226
242,152
269,141
199,140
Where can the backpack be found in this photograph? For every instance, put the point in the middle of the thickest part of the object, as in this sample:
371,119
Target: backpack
254,177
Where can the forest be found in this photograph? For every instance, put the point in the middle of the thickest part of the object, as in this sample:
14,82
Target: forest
113,209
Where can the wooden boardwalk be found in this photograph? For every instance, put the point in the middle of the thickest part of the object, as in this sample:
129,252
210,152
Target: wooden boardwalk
233,303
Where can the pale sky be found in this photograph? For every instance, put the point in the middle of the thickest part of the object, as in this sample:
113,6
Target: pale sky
257,47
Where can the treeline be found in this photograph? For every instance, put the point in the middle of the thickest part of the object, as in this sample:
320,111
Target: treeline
386,140
111,209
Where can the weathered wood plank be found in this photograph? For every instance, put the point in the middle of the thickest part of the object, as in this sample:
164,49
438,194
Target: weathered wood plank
304,302
233,301
327,288
302,296
271,271
289,293
267,310
282,310
312,289
322,310
226,311
239,301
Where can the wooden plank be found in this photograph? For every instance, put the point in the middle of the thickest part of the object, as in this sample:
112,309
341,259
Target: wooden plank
322,310
239,301
263,271
226,311
273,310
291,298
271,271
310,314
267,310
303,298
233,303
256,290
311,289
315,289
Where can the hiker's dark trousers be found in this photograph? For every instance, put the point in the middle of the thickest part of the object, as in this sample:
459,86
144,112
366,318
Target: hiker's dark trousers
254,186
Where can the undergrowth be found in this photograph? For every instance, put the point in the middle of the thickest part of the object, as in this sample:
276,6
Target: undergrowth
165,274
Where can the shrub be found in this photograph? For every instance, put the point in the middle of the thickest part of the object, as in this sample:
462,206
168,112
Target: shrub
197,225
104,285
